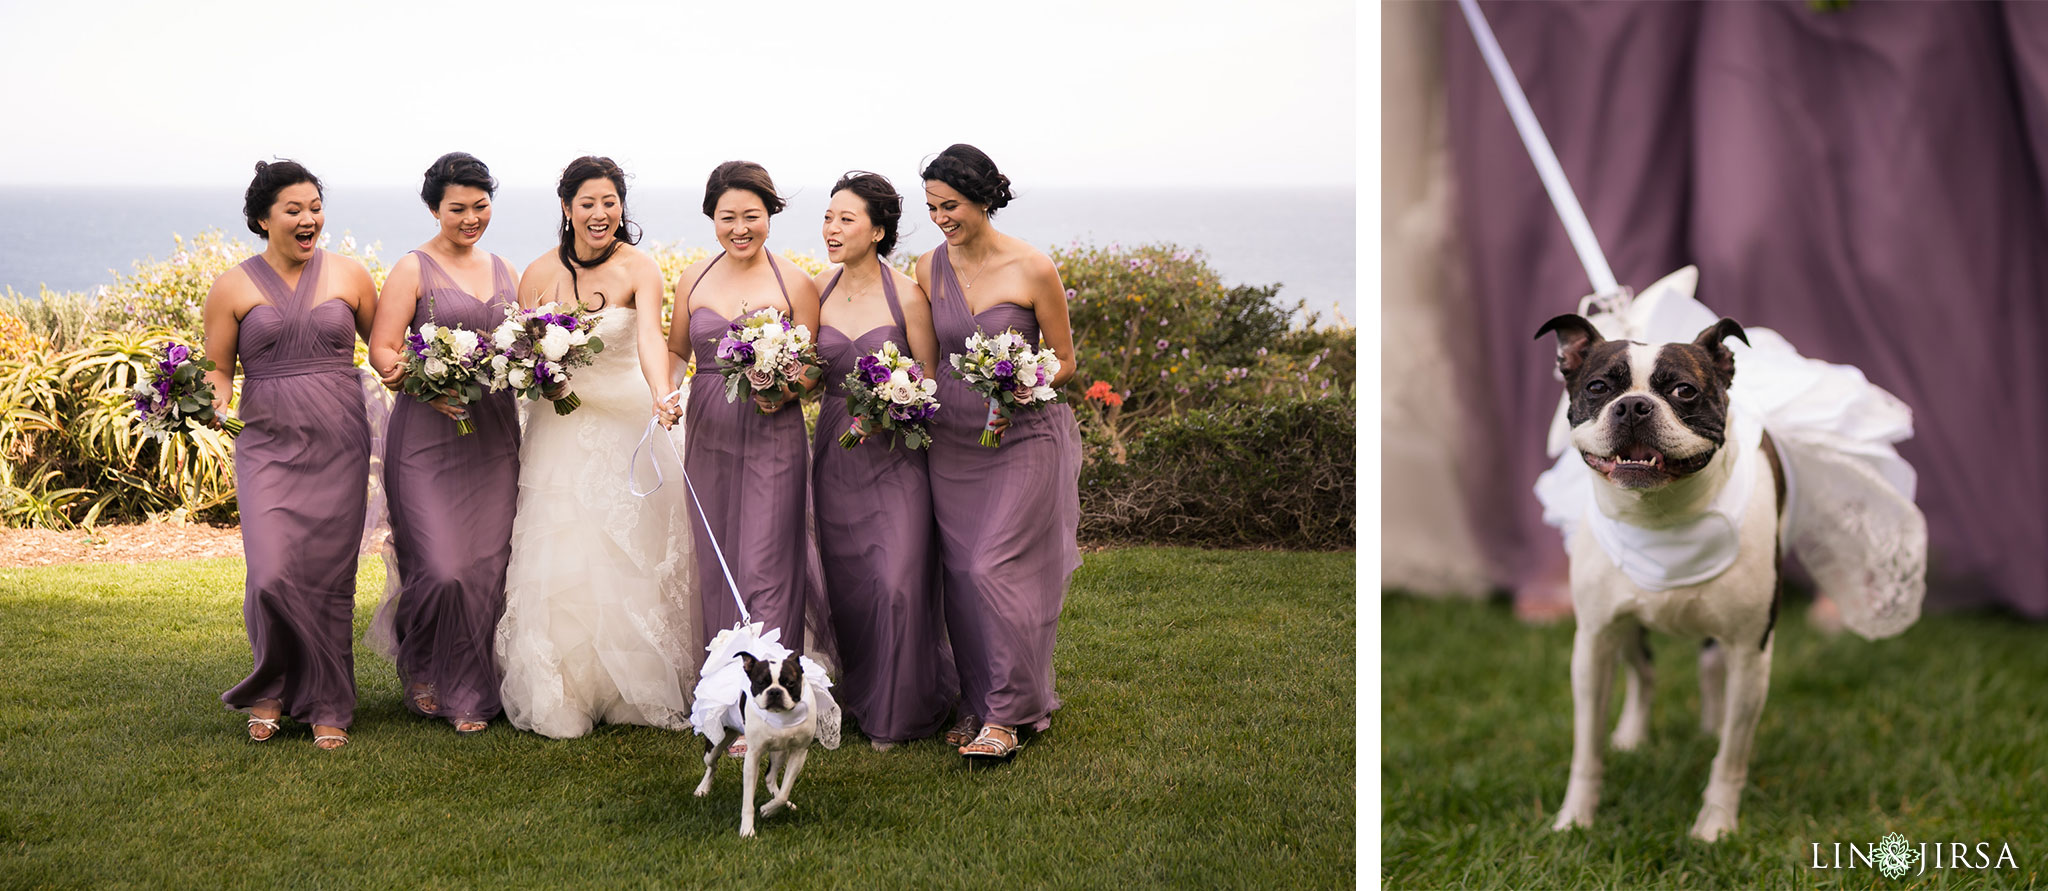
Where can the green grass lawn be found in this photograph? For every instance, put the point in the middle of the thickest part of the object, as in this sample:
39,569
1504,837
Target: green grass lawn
1939,735
1182,758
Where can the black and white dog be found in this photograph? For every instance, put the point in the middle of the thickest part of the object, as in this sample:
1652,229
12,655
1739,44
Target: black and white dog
1683,538
779,718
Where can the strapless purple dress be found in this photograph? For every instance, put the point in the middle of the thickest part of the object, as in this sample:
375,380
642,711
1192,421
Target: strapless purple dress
452,500
752,474
1007,520
302,472
877,545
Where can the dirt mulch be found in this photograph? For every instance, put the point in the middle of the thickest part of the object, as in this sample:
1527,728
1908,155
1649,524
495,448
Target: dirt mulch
139,543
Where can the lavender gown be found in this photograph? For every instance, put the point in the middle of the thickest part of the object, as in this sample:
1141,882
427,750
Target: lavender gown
752,474
302,470
875,540
452,500
1007,521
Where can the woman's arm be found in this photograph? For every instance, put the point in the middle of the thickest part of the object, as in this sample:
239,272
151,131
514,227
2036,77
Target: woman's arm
222,332
394,308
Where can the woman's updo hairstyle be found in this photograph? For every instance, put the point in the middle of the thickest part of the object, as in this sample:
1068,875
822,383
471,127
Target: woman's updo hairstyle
455,169
885,207
741,175
272,177
971,173
625,231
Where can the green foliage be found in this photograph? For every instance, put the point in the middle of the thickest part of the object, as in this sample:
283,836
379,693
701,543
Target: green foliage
1265,474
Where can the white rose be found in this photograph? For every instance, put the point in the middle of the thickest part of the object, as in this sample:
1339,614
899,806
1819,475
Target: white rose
554,344
436,368
1045,394
465,341
578,338
498,364
504,336
427,331
520,377
901,392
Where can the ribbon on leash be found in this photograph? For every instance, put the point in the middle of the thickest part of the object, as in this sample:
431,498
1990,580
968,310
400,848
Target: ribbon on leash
633,464
1608,295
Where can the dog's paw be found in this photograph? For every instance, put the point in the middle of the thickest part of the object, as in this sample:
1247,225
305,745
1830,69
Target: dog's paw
1629,736
747,831
1577,813
1713,823
773,807
703,788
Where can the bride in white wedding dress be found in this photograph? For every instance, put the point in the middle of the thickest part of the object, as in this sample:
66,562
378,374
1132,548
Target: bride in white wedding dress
600,619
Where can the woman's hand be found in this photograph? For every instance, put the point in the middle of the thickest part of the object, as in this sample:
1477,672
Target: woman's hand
393,376
774,402
667,412
453,412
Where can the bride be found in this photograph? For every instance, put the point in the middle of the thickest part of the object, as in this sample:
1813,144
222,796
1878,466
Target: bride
599,620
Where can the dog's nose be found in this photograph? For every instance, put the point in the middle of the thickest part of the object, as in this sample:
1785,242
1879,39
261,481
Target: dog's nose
1633,408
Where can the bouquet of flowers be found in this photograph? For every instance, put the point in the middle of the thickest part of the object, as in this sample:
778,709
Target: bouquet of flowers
1007,371
537,347
177,397
451,362
762,352
888,391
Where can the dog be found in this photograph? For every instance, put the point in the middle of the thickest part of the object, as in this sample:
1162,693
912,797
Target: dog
779,718
1684,538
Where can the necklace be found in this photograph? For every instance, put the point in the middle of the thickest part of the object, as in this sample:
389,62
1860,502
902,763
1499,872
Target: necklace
865,287
977,271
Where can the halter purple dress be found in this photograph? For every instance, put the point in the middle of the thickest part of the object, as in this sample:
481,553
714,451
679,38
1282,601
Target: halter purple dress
302,469
876,543
752,474
452,500
1007,522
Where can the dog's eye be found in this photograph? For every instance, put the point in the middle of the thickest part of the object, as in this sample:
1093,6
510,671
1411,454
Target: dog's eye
1597,388
1685,392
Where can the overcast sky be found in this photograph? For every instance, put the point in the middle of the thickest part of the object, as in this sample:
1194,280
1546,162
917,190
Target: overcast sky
1088,93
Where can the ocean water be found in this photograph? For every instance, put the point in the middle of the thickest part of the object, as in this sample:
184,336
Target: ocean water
74,239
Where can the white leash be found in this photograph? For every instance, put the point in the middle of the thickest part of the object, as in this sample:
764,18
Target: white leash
1608,295
633,464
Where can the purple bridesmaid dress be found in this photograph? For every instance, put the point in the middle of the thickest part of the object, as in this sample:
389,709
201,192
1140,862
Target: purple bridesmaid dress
752,474
302,469
1007,521
876,543
452,500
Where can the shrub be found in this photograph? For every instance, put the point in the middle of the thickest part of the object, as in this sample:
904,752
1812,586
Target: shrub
1269,474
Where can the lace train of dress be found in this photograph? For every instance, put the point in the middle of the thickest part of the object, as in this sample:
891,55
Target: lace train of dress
600,619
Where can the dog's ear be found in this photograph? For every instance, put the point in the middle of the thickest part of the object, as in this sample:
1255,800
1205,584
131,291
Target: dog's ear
1575,338
793,677
747,661
1717,351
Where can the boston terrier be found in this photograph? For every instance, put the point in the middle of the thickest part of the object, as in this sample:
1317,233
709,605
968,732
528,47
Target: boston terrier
1683,538
778,719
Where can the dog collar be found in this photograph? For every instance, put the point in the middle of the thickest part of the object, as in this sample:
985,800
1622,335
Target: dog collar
1693,552
784,720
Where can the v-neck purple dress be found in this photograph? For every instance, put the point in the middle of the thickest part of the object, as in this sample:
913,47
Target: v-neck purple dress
877,544
752,474
302,473
1007,519
452,500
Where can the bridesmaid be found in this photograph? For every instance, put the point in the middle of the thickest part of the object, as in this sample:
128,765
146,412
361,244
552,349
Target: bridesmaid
873,502
749,461
1007,516
451,497
302,464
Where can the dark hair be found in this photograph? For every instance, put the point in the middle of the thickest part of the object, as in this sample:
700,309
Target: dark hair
971,173
455,169
272,178
741,175
885,207
578,172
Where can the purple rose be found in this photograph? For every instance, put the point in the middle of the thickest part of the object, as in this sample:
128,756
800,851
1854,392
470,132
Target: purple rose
760,378
1004,369
178,353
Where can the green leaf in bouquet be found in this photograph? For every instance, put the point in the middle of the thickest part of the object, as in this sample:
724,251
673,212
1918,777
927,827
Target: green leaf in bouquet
596,345
189,405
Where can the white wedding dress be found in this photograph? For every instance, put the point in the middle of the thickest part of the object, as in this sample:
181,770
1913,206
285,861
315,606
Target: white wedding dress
600,612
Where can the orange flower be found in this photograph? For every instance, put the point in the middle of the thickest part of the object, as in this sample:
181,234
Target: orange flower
1100,392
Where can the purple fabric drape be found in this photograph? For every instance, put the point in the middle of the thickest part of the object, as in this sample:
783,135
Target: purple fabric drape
1866,181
